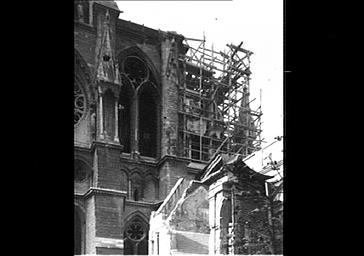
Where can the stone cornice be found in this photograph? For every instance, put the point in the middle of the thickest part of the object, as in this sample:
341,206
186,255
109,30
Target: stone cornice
139,203
105,144
88,149
168,158
127,158
155,162
94,190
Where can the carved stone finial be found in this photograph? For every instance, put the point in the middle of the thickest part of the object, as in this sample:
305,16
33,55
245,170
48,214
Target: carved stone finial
107,18
80,13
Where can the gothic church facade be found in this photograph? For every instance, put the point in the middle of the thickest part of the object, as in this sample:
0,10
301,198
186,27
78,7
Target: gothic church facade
125,129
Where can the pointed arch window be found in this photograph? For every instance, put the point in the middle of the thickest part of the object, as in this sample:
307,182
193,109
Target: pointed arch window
148,117
79,102
136,237
138,107
137,185
124,110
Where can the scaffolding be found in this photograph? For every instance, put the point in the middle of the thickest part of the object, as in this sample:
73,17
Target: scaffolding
214,106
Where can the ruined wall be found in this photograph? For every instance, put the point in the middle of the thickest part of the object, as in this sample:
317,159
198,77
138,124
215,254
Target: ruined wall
169,172
189,222
192,214
252,232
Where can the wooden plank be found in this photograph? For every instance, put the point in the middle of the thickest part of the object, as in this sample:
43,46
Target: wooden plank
193,39
237,48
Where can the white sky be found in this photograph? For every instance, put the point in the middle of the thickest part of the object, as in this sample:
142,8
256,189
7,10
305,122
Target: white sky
258,23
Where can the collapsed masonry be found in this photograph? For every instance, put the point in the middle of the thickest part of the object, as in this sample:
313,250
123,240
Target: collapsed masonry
151,109
228,209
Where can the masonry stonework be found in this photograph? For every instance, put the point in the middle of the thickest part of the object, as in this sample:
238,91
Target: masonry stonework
127,163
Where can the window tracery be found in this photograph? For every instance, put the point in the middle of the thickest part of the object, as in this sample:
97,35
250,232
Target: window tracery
136,70
138,106
79,103
136,230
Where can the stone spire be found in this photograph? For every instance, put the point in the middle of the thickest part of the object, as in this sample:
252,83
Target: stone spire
107,69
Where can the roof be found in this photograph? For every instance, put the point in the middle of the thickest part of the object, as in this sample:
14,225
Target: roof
109,4
222,162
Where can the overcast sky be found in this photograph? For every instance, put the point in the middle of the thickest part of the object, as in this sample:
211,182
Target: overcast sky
258,23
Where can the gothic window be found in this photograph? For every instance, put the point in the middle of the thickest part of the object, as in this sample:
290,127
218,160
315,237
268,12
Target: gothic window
148,121
124,180
138,107
136,194
124,106
136,70
150,191
135,231
137,185
79,102
136,237
82,177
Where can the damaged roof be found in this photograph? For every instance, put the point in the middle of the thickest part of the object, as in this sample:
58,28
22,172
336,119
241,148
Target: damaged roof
109,4
224,162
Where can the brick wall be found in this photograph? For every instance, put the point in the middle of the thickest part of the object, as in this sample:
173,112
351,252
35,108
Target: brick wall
109,174
85,42
109,212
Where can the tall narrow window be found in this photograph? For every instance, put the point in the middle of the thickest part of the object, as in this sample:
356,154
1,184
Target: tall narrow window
79,102
136,195
137,186
148,121
125,99
138,105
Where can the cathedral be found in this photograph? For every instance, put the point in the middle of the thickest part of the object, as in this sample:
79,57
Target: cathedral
154,127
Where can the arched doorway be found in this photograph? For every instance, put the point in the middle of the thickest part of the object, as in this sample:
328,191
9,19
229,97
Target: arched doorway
136,237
